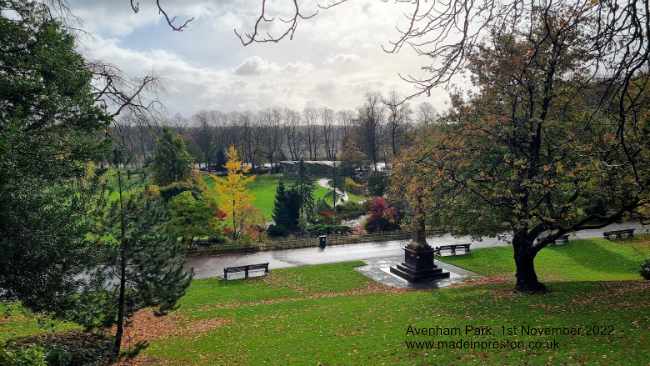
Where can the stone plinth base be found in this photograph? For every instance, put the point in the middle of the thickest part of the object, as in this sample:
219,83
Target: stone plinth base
418,266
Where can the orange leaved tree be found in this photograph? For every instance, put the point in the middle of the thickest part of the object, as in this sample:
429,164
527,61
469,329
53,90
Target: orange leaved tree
234,195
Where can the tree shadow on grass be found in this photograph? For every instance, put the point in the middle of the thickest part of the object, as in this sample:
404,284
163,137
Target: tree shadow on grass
600,255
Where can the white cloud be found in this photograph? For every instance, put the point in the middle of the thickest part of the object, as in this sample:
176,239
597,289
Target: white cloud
342,58
255,66
334,59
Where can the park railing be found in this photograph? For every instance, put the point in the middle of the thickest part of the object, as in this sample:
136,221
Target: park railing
202,247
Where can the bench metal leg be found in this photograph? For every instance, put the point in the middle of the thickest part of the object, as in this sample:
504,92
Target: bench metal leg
225,274
246,275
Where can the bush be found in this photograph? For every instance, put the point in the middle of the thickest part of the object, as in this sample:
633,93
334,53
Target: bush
350,210
275,231
383,217
327,217
58,357
172,190
209,242
322,205
645,269
325,229
377,224
29,356
351,186
377,184
74,348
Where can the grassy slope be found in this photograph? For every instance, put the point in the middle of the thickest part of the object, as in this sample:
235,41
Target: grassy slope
321,192
284,319
580,260
15,321
308,315
263,188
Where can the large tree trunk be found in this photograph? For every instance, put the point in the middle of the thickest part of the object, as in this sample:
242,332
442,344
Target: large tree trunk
524,260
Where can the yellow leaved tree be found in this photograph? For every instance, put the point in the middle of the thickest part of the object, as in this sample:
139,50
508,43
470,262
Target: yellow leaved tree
234,196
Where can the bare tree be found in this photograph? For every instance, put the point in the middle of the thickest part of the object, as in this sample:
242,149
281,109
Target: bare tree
399,115
249,136
271,136
328,133
204,136
345,121
312,132
449,32
294,134
426,114
370,120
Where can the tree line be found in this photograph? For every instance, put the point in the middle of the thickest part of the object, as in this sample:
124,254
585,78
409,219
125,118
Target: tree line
374,133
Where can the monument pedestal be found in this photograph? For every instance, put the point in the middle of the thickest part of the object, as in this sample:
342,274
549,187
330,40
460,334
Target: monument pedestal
418,265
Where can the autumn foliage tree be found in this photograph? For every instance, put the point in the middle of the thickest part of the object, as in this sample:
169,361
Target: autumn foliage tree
234,196
535,151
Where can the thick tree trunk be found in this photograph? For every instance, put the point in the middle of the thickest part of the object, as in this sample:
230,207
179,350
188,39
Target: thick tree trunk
524,260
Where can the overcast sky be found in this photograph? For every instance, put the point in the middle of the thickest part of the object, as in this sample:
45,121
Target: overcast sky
333,60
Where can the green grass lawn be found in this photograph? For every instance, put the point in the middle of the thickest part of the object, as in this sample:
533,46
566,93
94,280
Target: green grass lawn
264,187
321,192
15,321
580,260
332,315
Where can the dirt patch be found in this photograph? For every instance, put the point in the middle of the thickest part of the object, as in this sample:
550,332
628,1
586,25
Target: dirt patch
145,326
143,361
486,280
283,281
371,288
614,290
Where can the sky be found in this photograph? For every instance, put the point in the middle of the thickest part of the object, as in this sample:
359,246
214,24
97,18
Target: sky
333,60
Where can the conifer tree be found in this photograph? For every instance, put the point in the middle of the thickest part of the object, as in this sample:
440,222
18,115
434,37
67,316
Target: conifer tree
172,162
304,188
286,212
280,213
139,264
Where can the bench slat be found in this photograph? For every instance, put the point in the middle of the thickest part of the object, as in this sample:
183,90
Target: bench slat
619,234
452,248
245,269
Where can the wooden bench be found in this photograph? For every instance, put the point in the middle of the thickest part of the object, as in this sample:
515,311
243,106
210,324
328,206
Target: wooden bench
245,269
561,240
451,249
619,234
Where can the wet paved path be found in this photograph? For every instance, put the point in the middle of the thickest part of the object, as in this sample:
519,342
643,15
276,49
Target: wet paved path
379,271
211,266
